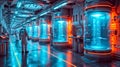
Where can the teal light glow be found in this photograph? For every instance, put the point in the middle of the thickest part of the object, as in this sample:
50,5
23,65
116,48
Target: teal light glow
35,31
13,16
32,6
59,31
23,15
60,62
96,14
19,4
33,18
59,6
43,31
43,55
61,22
44,13
16,12
97,31
29,31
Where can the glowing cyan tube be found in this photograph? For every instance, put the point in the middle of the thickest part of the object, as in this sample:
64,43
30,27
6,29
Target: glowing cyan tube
96,36
43,31
35,31
29,31
59,31
97,31
59,28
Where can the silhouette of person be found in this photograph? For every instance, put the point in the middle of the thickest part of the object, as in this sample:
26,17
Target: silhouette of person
23,38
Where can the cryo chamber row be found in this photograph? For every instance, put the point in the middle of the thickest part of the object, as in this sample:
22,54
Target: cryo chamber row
43,30
92,23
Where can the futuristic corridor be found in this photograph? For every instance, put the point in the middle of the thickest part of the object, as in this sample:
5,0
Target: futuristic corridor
59,33
43,55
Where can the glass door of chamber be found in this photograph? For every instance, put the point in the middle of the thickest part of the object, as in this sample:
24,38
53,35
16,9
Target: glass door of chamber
43,31
59,30
29,31
35,31
96,31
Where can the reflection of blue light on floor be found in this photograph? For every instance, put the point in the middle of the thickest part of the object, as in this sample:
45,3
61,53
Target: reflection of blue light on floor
14,56
43,55
35,55
60,62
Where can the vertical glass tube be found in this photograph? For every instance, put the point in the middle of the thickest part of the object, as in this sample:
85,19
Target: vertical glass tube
96,31
59,28
35,31
29,30
43,29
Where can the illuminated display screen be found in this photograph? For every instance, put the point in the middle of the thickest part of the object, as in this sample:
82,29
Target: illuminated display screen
96,31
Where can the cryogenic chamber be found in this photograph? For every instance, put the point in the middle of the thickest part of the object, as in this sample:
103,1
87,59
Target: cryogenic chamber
43,29
96,30
29,30
59,28
35,36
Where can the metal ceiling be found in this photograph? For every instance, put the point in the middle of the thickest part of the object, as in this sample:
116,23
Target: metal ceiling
18,12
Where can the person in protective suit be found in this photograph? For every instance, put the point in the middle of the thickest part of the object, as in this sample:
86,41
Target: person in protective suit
23,38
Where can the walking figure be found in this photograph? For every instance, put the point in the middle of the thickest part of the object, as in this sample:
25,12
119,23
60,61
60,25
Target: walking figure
23,38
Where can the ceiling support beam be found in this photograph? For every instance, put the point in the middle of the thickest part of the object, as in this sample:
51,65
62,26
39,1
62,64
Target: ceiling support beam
46,11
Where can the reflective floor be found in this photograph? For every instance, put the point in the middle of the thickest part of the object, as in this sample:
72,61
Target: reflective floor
42,55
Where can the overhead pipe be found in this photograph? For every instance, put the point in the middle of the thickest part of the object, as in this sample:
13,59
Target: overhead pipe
26,22
55,6
48,10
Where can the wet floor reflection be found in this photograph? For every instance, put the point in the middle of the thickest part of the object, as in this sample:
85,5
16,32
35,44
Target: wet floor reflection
55,62
24,60
2,61
44,55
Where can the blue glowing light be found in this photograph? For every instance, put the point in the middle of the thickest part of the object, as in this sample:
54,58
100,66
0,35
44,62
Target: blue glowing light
44,13
60,62
13,16
19,4
16,12
33,18
61,22
29,30
35,31
59,6
59,31
23,15
32,6
96,15
44,55
97,31
43,31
